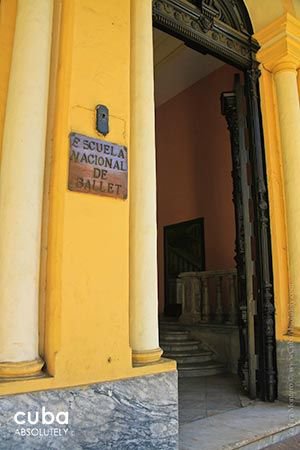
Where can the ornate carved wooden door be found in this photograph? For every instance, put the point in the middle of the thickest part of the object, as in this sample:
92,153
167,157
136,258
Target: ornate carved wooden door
233,107
256,367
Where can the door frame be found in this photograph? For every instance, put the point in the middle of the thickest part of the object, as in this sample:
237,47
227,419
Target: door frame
198,221
212,27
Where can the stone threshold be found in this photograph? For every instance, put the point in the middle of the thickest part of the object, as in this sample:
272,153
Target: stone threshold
270,439
251,428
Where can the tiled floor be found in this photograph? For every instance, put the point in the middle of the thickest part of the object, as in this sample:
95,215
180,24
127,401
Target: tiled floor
202,397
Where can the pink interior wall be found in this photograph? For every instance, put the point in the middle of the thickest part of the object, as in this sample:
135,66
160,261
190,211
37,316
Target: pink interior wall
194,169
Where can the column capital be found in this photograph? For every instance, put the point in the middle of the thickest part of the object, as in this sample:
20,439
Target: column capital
280,44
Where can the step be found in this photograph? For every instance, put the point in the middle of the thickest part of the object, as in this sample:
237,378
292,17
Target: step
192,357
188,345
200,369
168,319
173,327
183,351
173,323
174,336
174,331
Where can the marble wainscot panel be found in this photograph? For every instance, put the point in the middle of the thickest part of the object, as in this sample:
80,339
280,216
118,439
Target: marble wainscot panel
134,414
288,366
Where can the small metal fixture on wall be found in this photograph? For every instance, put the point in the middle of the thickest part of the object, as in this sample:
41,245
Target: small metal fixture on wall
102,119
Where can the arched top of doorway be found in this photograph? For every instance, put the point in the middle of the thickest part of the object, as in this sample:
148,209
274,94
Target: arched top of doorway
232,13
221,28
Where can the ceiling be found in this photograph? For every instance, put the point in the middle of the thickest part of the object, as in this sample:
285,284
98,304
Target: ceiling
176,67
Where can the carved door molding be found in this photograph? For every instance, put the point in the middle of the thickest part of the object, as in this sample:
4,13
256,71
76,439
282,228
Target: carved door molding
209,26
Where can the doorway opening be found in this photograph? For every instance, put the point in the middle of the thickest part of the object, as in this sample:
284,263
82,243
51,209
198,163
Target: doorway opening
211,169
196,227
184,251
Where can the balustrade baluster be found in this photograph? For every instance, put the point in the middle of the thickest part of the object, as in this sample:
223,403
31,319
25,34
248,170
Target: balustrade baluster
232,296
205,303
200,297
183,297
179,291
219,305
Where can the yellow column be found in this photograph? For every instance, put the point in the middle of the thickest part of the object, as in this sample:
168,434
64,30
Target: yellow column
143,258
289,119
280,54
21,189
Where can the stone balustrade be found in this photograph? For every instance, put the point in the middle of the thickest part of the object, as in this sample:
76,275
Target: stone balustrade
208,297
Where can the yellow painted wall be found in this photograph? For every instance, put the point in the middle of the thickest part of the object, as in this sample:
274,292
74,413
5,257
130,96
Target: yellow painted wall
297,7
92,248
277,194
87,318
264,12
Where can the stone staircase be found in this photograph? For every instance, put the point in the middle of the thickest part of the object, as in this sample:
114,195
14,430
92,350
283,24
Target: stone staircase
193,360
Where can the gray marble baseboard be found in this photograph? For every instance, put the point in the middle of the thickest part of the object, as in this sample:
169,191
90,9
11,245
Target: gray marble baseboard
134,414
288,366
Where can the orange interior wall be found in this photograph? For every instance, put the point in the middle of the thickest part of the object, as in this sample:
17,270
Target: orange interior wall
194,169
